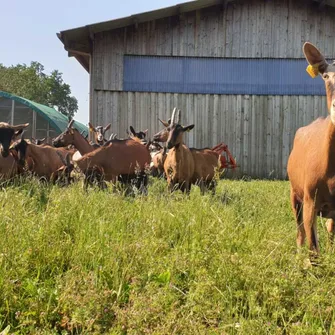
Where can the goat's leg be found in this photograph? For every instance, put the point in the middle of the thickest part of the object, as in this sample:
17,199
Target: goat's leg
202,186
297,210
330,229
309,217
187,187
212,186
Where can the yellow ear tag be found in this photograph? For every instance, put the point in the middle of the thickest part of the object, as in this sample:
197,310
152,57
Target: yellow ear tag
313,70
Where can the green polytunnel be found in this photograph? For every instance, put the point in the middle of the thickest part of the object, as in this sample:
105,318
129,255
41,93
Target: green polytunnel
44,121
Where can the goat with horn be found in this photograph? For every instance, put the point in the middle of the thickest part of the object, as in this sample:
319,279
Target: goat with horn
179,164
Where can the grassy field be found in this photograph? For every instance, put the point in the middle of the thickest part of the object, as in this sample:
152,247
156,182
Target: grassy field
100,263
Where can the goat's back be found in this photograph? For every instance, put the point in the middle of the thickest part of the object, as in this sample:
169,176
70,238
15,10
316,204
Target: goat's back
120,157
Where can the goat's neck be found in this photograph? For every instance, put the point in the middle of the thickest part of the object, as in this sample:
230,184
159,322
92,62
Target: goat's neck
179,149
81,143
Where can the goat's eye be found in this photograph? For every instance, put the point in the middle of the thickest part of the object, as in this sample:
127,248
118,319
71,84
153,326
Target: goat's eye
325,76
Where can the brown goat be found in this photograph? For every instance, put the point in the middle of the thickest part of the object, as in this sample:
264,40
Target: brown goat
311,164
71,136
179,164
123,160
206,162
43,161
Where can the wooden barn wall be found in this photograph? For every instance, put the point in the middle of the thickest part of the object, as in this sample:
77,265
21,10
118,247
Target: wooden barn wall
254,29
258,130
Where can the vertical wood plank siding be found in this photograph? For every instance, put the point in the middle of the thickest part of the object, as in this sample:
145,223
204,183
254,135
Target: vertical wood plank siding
259,130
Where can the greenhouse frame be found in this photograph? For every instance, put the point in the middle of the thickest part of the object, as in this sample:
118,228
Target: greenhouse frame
44,121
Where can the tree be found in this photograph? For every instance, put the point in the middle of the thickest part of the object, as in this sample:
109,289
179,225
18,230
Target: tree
32,83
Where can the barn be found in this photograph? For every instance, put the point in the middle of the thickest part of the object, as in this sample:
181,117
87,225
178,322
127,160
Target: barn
235,69
44,121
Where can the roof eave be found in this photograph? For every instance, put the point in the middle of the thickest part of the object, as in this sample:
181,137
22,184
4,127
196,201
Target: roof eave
80,49
78,41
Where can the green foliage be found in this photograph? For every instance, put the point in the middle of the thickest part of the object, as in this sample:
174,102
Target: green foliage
32,83
100,263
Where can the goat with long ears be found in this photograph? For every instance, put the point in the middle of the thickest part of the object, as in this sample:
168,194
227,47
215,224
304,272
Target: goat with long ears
311,164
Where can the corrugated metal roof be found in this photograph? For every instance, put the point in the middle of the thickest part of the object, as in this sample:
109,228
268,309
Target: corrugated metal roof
58,120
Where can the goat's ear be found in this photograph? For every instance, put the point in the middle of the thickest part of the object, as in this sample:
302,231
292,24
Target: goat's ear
146,131
43,139
91,127
188,128
315,58
164,123
132,130
18,132
107,127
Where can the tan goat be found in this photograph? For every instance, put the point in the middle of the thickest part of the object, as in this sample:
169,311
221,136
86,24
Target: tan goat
206,161
311,165
179,164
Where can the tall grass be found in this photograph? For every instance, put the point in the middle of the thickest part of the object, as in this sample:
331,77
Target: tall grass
97,262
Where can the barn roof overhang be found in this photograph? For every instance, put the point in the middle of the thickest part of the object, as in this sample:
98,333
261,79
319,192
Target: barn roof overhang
78,41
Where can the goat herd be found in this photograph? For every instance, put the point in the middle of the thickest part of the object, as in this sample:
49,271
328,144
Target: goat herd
128,161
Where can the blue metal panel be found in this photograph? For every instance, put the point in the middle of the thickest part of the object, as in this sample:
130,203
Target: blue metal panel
219,76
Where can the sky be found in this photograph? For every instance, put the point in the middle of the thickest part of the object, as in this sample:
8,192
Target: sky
29,34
